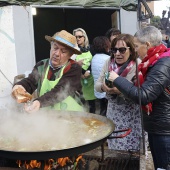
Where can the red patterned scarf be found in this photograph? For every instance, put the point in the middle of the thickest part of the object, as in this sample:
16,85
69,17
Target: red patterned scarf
153,55
113,66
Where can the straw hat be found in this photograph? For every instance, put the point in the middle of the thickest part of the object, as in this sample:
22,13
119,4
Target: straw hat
66,39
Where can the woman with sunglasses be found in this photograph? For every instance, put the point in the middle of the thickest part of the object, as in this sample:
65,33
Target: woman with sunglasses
154,90
84,60
122,111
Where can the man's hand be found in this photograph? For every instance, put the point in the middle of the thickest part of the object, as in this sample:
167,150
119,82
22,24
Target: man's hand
32,107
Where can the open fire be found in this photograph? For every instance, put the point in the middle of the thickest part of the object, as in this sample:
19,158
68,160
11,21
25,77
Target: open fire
51,135
50,164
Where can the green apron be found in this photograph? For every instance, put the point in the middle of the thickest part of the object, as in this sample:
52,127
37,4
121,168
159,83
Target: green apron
88,89
68,104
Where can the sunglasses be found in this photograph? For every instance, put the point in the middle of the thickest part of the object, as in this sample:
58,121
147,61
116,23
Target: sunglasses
121,50
80,36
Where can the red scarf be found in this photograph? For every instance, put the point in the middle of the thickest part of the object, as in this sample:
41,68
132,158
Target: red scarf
153,55
113,66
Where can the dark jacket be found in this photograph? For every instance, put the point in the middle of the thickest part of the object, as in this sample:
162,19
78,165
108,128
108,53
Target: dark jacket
68,85
155,90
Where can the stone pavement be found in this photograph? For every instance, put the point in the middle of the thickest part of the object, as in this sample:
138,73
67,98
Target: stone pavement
146,162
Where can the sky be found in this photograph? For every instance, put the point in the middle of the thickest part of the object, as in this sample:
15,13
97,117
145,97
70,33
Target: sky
159,6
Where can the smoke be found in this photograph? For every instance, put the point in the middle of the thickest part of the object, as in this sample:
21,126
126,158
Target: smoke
48,130
7,103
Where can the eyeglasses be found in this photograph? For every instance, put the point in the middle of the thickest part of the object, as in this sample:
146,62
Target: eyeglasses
122,50
80,36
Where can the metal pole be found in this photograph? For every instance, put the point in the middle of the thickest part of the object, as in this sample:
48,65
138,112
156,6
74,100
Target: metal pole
142,140
139,14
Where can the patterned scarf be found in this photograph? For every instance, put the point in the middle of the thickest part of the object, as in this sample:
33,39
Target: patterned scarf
153,55
122,70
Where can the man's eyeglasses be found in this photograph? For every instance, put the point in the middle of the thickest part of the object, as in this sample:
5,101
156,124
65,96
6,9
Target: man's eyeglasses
122,50
80,36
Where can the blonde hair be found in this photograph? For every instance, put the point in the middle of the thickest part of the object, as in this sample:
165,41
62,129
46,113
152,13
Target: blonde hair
86,41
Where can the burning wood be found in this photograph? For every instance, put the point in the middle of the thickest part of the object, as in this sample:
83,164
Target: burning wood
51,163
29,164
63,161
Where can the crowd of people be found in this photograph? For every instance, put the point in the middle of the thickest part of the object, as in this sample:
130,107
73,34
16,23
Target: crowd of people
126,77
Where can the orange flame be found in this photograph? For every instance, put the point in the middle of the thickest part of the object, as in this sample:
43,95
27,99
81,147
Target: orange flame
48,164
63,161
60,162
29,164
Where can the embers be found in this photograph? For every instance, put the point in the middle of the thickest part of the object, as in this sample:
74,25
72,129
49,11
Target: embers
29,164
67,163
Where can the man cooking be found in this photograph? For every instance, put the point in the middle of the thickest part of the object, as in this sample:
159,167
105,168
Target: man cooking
56,79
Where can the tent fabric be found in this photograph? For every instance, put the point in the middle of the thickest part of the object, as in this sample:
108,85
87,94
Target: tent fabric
126,4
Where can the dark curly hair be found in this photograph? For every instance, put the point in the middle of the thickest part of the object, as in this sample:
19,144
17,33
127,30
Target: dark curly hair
101,44
112,31
128,39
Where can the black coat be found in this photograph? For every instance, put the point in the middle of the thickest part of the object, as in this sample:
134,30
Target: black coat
155,90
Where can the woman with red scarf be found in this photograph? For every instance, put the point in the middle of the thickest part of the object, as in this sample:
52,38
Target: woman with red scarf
122,111
154,89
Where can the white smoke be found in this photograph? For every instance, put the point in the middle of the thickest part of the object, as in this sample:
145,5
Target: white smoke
46,129
50,130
